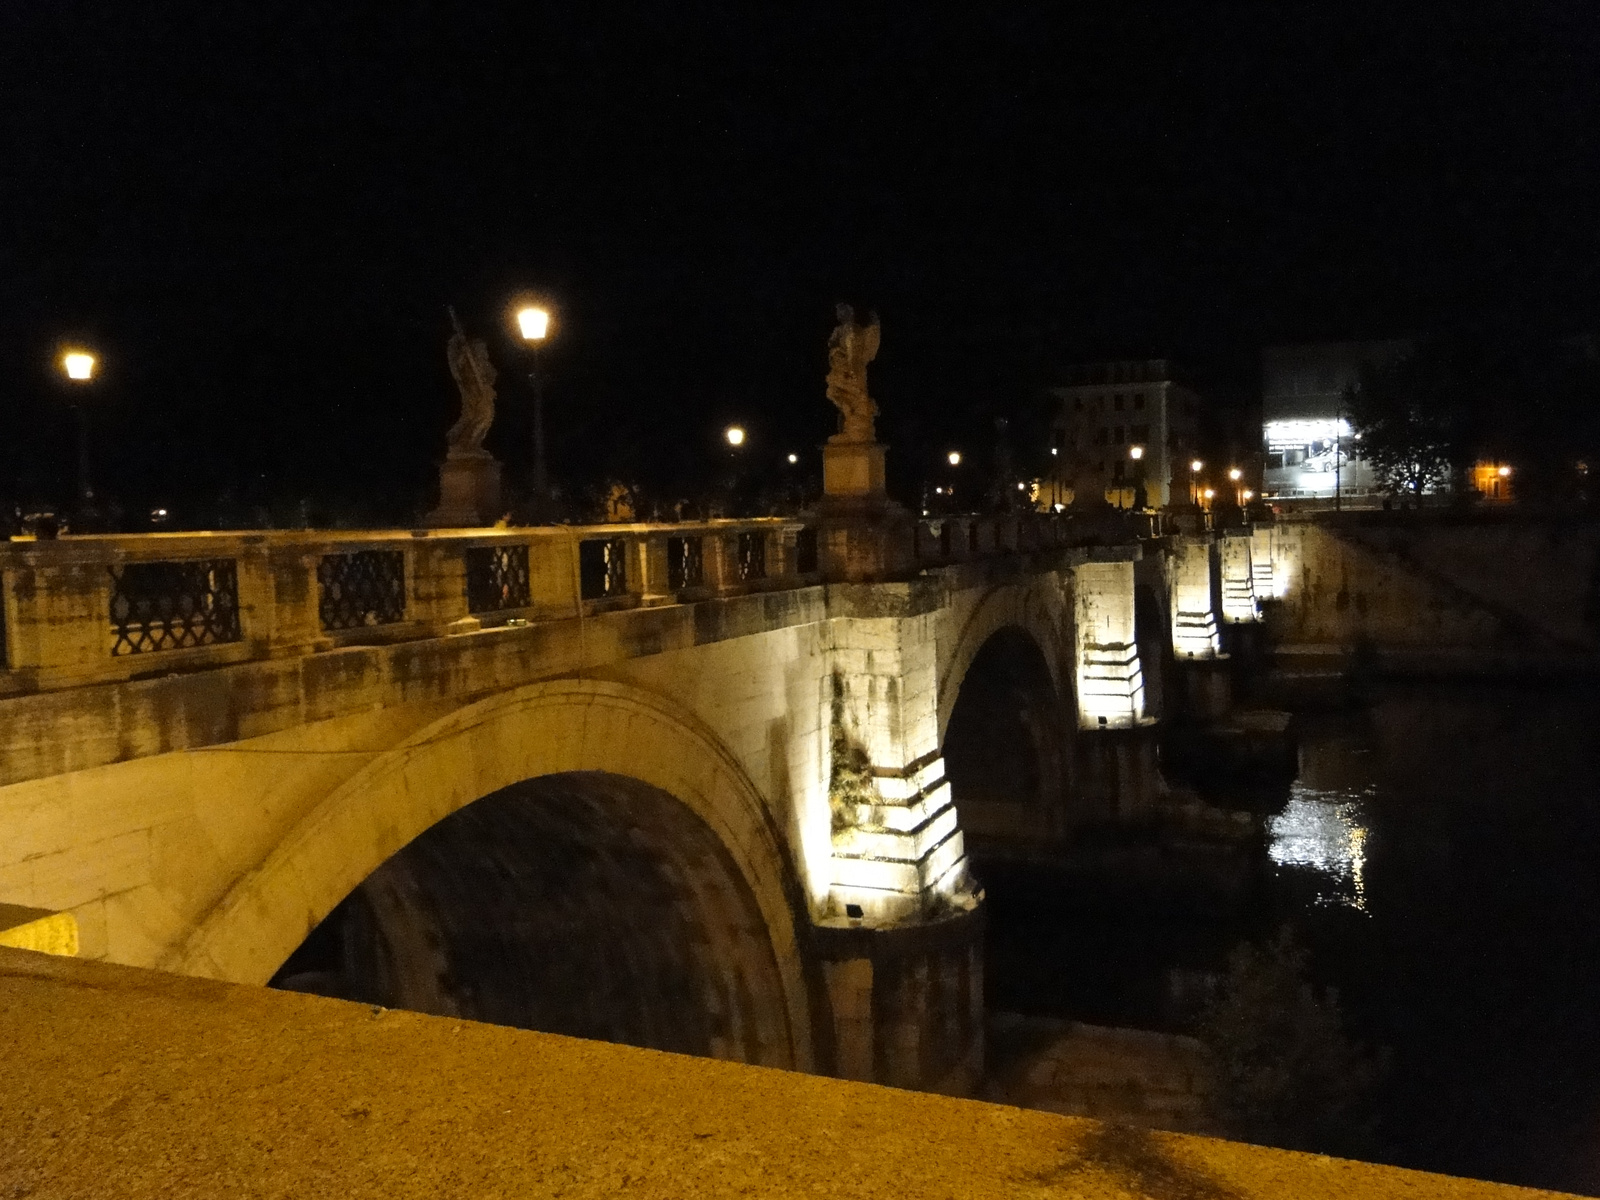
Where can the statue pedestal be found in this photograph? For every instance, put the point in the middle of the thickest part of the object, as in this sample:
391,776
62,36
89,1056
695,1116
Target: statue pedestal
853,469
469,493
862,534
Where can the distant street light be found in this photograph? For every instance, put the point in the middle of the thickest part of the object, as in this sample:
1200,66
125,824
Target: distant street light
1195,465
1249,495
734,434
533,323
1504,472
1136,452
793,458
953,458
1235,474
79,367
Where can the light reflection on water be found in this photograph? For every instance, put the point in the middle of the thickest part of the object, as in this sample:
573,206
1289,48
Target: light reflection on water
1325,830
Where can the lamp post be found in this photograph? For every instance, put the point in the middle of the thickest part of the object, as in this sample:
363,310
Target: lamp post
533,323
1235,475
953,458
1194,481
79,366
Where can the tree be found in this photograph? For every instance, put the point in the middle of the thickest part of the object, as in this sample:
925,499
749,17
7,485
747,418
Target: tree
1285,1073
1407,418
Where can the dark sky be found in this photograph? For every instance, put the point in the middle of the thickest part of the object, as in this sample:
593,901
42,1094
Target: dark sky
257,212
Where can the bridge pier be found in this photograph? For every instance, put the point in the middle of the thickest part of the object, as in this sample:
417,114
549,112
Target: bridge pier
906,1002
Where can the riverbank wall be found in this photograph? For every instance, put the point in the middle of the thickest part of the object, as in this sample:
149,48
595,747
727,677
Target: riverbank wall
1418,594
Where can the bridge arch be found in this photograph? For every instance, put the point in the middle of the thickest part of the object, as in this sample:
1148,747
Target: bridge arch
1038,609
617,775
1004,717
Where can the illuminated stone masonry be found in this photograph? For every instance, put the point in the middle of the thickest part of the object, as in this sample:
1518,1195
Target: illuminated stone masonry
897,850
1263,569
1194,614
1109,676
1238,581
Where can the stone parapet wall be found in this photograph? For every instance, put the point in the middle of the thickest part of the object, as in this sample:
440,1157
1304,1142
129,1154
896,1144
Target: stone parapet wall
142,1085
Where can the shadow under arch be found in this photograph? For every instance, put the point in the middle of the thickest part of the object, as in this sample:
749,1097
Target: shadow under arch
1004,745
560,728
582,903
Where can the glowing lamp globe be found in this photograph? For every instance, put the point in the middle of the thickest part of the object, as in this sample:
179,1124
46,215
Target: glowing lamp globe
78,365
533,324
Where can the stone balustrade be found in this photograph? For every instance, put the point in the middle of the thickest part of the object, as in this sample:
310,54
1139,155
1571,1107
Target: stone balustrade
99,609
93,609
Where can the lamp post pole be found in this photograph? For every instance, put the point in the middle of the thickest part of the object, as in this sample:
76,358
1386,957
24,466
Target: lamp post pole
533,323
79,366
541,469
1338,459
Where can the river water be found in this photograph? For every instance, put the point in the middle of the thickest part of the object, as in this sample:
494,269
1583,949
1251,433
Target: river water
1439,855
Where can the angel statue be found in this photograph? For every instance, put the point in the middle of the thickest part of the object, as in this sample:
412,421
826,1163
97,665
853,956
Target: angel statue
850,349
474,375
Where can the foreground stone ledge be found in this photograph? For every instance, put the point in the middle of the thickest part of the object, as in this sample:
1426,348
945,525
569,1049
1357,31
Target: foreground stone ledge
129,1083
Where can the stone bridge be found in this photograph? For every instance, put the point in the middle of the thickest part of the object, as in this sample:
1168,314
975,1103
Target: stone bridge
680,786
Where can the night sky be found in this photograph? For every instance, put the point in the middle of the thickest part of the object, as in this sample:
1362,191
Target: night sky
258,213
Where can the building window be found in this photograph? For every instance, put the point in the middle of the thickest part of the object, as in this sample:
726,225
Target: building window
1077,404
1120,438
1116,470
1138,400
1141,433
1118,402
1100,436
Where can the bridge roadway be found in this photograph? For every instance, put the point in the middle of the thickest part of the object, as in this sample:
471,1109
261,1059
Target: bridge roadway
682,787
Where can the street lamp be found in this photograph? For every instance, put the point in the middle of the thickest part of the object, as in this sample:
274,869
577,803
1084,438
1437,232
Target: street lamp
79,366
953,458
533,324
793,458
1194,481
1235,474
734,434
1136,452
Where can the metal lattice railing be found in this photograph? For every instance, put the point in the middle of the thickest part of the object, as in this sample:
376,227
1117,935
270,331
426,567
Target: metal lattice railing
173,605
361,588
497,578
686,563
602,568
752,552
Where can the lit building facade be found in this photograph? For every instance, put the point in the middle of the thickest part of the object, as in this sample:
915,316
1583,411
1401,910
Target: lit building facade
1307,440
1123,427
1492,481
